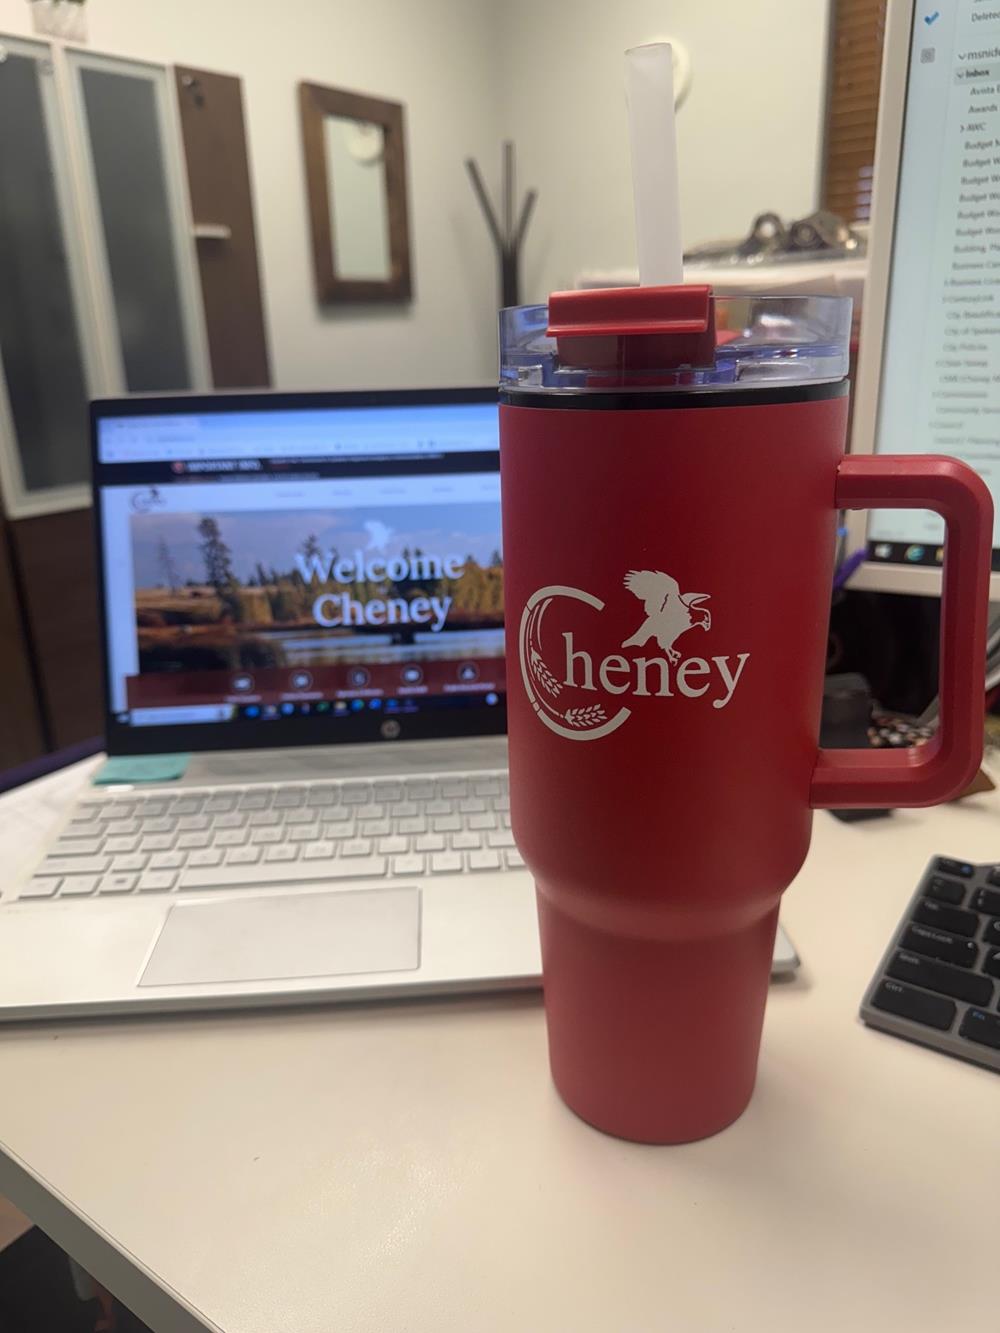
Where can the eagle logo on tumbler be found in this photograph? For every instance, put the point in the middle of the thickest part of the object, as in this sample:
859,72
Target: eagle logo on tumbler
557,671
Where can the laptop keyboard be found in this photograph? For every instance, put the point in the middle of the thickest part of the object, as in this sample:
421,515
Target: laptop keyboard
282,835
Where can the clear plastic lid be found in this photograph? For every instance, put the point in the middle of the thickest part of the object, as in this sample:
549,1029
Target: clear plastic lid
681,338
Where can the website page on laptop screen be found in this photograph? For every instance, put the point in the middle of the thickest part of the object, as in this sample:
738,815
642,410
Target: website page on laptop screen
264,565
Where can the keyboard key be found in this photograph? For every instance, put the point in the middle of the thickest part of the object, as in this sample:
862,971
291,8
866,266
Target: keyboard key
193,823
157,881
453,787
941,977
487,859
77,846
412,824
338,814
375,828
410,864
301,815
466,841
353,793
255,800
117,883
77,886
300,871
303,833
187,805
121,827
446,863
513,859
133,861
388,791
264,819
356,847
938,944
371,810
487,787
321,850
991,964
482,821
121,844
73,865
289,799
151,809
438,808
166,861
501,803
220,805
949,867
981,1028
429,842
236,837
393,845
930,1010
987,900
84,828
39,888
991,933
159,825
953,919
260,836
234,819
340,832
500,838
406,810
446,823
419,789
156,842
242,856
946,890
285,851
321,796
472,805
204,856
187,841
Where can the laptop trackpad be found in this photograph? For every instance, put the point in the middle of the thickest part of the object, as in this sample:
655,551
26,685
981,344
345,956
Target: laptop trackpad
287,935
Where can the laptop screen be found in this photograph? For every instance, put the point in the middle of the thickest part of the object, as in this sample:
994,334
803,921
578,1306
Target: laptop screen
305,572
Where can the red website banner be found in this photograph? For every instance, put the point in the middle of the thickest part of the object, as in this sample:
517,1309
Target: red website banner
270,685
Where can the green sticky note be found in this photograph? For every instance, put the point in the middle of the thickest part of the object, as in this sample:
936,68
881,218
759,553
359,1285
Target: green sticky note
141,768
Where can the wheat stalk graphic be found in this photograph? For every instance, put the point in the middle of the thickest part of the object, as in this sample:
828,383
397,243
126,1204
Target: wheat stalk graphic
585,717
542,675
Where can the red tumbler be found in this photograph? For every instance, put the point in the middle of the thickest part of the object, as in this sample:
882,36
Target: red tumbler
670,498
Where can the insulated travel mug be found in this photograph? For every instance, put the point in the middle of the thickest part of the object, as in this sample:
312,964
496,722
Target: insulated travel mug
672,467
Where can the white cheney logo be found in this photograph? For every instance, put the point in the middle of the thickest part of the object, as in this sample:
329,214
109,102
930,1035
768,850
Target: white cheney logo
668,613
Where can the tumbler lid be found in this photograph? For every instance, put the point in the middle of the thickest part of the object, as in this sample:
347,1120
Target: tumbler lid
678,338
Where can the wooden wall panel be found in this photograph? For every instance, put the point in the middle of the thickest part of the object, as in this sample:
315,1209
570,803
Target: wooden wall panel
21,733
215,149
58,574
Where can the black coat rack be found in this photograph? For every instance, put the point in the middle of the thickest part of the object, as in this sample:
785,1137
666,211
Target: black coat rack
508,238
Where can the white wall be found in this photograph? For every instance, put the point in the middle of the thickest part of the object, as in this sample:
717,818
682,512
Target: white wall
435,56
547,73
749,134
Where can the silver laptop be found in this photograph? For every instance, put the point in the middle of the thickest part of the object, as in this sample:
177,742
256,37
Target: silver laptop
304,592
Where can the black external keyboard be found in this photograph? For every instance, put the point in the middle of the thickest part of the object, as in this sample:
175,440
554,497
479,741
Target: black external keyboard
939,982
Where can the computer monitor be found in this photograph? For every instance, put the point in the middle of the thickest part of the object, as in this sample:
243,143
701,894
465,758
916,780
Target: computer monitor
929,373
283,569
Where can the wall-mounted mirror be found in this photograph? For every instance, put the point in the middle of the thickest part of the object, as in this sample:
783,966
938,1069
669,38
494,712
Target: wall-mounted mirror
356,183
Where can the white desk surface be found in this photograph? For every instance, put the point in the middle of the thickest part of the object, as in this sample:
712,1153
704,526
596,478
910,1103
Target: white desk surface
409,1166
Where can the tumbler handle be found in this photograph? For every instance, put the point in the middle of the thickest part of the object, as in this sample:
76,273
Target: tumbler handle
943,768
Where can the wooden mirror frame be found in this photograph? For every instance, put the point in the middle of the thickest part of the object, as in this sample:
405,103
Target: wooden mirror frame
316,103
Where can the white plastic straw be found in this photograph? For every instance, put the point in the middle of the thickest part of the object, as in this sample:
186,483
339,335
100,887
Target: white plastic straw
649,93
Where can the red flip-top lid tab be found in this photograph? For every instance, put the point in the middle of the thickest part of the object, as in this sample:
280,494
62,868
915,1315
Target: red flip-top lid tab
654,327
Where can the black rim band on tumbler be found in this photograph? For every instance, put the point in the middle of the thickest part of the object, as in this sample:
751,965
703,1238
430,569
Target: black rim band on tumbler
684,398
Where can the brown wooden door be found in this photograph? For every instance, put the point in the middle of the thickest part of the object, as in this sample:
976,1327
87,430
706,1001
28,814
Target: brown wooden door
215,149
21,733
